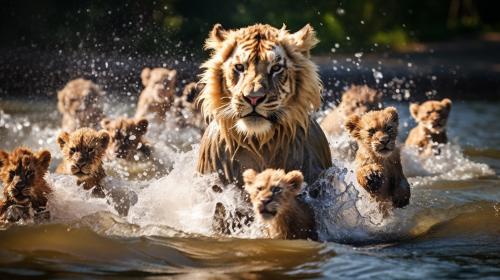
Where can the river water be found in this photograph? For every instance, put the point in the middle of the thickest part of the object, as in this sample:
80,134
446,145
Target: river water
450,230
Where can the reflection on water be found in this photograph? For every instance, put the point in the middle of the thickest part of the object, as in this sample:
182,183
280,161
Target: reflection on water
451,228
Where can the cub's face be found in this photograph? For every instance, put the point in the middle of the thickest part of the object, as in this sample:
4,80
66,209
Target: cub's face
83,150
432,114
272,190
78,97
126,136
20,171
160,81
376,130
259,73
359,100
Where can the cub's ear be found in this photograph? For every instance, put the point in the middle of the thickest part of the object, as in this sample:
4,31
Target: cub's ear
61,101
43,158
447,103
145,75
216,37
62,139
4,158
103,138
295,180
393,113
142,126
105,123
352,125
414,110
249,176
304,39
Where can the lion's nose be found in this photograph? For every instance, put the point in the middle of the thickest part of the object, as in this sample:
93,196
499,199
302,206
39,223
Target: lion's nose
254,100
266,200
384,139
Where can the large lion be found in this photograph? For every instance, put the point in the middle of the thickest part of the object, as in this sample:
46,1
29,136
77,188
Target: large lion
260,90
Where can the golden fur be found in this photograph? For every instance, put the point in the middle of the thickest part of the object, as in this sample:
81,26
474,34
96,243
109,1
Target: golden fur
273,194
378,160
186,110
22,173
83,151
356,100
127,138
431,117
260,88
80,103
158,94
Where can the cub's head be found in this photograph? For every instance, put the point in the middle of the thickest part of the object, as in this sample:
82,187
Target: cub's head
259,77
83,150
126,135
160,81
21,172
360,100
79,96
272,190
376,130
432,114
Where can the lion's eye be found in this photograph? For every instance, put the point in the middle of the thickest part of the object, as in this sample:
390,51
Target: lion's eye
389,129
29,173
239,67
260,188
72,151
371,131
276,190
276,68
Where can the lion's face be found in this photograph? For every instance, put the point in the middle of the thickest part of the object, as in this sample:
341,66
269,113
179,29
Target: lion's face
160,82
376,130
20,171
126,136
359,100
272,190
432,114
258,76
78,97
83,150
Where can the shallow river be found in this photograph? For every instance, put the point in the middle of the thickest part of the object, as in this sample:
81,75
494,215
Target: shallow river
450,230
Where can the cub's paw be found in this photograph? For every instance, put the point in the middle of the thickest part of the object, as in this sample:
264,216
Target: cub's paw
98,192
374,181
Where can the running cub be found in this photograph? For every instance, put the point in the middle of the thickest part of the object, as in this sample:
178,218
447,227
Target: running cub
83,151
158,94
273,194
127,138
80,103
431,117
24,187
378,161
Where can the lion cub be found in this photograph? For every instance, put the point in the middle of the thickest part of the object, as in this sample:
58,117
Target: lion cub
22,174
83,151
127,138
80,103
431,117
378,161
273,194
187,111
158,94
356,100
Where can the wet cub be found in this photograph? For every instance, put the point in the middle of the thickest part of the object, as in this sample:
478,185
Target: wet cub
356,100
158,94
83,151
187,112
378,160
127,138
22,173
273,194
431,117
80,103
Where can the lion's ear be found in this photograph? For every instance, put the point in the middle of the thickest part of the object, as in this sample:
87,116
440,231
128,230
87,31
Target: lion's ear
62,139
105,123
295,180
305,39
103,139
4,158
249,176
216,37
43,158
447,103
393,113
414,110
142,126
145,75
352,125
